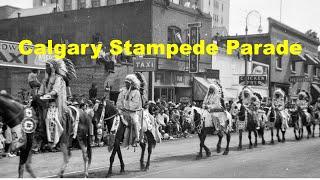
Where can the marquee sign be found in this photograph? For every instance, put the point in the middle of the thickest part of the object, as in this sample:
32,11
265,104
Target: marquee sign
11,56
294,79
254,80
144,65
193,39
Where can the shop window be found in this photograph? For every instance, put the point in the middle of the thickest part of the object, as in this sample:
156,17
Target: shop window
305,67
293,66
179,78
156,93
95,3
67,5
159,77
81,4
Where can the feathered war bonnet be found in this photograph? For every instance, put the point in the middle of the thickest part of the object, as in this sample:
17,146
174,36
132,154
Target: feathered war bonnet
63,67
279,94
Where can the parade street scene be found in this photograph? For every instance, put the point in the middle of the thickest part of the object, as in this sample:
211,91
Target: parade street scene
159,89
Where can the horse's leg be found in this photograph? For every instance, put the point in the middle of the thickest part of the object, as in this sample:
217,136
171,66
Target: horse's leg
220,135
120,159
283,136
279,140
149,155
143,148
308,131
249,136
313,128
66,157
115,149
208,153
240,140
271,130
262,136
201,143
84,156
228,137
28,166
295,132
255,138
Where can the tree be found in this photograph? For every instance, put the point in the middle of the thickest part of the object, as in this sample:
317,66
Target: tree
312,34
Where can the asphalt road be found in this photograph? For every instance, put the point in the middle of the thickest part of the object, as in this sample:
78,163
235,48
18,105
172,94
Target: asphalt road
176,158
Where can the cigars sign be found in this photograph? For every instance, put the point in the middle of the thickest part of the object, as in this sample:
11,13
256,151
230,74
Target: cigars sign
253,80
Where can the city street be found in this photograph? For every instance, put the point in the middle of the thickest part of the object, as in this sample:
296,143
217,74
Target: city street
176,158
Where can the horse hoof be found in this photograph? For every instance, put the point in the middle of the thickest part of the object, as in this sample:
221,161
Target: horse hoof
218,149
142,166
239,148
199,156
279,140
263,142
272,142
255,145
208,154
146,168
250,146
122,171
225,152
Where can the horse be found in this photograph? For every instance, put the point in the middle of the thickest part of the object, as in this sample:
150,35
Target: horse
275,121
13,114
110,113
299,120
203,124
251,126
83,132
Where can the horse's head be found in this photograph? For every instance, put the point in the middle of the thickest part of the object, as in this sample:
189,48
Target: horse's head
10,110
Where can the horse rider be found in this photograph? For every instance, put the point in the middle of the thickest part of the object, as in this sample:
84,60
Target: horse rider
214,103
129,103
259,115
54,88
303,104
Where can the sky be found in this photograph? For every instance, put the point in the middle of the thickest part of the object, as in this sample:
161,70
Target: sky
299,14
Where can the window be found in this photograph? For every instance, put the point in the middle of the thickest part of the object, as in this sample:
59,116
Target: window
216,4
179,78
43,3
159,77
305,67
279,61
222,7
67,5
111,2
209,2
174,36
81,4
315,71
95,3
293,66
54,1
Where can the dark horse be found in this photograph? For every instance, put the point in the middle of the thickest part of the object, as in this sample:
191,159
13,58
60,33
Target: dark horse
299,120
110,113
251,126
12,113
197,115
275,121
83,136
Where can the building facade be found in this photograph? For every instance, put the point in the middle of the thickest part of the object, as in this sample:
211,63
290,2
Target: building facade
140,22
285,70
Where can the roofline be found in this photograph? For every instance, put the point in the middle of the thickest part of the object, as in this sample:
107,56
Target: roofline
294,31
244,36
10,6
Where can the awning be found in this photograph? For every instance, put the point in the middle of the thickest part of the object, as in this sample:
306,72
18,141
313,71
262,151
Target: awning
297,58
311,60
201,86
316,87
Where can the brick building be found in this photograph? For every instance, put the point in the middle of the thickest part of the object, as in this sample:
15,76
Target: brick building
283,68
149,21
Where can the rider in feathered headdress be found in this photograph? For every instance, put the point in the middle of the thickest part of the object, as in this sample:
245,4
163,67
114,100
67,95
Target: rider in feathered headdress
130,104
259,115
303,103
54,86
214,102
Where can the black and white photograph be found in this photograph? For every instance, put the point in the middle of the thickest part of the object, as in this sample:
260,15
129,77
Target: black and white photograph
159,89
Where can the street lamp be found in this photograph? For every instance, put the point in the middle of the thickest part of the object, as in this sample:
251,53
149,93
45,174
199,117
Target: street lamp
260,31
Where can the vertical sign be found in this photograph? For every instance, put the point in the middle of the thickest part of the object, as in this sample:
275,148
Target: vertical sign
194,39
